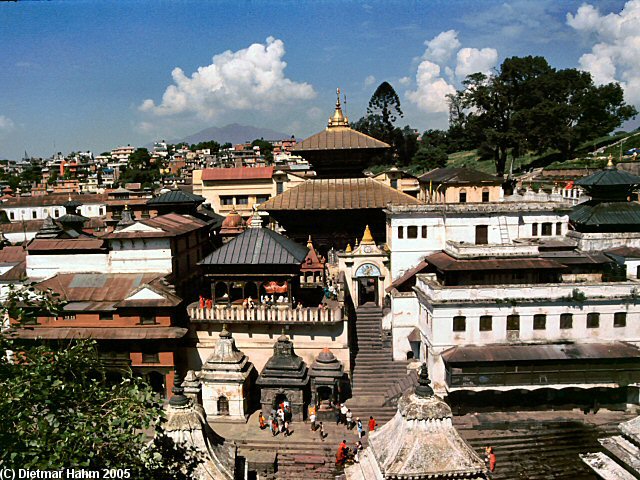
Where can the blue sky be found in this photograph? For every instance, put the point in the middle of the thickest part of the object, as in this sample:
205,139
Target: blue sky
92,75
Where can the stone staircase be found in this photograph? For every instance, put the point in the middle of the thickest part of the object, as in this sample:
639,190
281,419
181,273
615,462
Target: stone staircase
538,450
377,380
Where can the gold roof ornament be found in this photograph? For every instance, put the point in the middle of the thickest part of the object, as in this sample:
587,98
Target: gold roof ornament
338,119
309,242
367,238
348,249
610,162
356,242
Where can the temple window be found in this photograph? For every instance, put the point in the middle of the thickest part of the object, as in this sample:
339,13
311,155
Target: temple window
262,198
485,196
566,321
106,316
400,232
459,324
150,357
513,323
462,196
593,320
546,229
412,232
534,229
279,188
486,323
147,319
223,405
226,199
482,234
242,200
620,319
539,321
559,228
424,231
34,214
12,215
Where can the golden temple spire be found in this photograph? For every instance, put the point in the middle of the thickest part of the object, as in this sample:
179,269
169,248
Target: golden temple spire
610,162
309,242
367,238
348,249
338,119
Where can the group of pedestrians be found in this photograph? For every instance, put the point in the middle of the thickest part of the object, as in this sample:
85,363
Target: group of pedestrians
346,454
345,417
279,420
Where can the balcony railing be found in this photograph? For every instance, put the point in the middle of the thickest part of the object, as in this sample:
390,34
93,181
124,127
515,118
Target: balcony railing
578,291
282,314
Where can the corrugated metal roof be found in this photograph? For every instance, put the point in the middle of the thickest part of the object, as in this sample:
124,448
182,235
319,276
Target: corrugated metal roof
258,246
43,244
239,173
459,175
54,199
342,138
562,351
338,194
176,197
99,333
96,287
171,224
594,212
12,254
447,263
629,252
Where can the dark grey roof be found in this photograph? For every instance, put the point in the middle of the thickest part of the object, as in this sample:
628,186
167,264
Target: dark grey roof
458,175
609,177
174,197
72,218
606,213
258,246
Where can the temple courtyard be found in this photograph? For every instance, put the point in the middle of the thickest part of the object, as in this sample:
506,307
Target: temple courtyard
528,444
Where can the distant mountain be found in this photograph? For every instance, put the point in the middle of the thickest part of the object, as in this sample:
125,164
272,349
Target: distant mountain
233,133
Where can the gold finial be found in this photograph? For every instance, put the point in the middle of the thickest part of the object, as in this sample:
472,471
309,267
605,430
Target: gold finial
126,206
357,243
309,242
610,162
338,119
367,238
348,249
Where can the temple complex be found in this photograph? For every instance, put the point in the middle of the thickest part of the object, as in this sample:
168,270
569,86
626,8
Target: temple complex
339,151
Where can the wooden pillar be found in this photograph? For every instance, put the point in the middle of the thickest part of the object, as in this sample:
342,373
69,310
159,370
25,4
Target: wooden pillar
214,283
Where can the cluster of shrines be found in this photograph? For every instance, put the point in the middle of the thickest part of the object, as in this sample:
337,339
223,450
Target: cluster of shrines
493,293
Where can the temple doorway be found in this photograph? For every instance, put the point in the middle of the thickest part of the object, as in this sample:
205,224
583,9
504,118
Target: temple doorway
367,290
279,399
156,382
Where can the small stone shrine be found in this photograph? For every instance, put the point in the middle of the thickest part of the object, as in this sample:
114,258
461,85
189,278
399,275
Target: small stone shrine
226,379
419,442
327,383
187,425
284,378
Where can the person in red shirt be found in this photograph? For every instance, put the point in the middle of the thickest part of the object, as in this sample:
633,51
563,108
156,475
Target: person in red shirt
372,424
492,460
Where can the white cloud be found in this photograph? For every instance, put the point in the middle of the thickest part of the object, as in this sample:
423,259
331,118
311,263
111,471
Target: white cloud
472,60
6,124
370,80
435,78
249,79
431,89
404,81
616,50
441,47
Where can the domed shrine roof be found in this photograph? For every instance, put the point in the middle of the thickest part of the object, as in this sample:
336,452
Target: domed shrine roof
284,368
233,224
326,365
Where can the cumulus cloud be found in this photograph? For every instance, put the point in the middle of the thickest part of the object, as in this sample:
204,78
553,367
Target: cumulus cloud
472,60
404,81
249,79
431,89
6,124
442,46
616,49
435,78
370,80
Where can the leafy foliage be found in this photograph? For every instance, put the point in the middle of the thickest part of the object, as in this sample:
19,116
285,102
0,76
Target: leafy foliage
266,149
61,408
139,169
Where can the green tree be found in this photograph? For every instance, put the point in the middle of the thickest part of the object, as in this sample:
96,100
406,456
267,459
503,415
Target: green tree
211,144
385,103
266,149
140,169
61,410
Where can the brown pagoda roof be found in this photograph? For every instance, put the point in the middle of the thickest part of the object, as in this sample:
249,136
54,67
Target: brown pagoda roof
65,244
54,199
169,225
339,138
338,194
238,173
